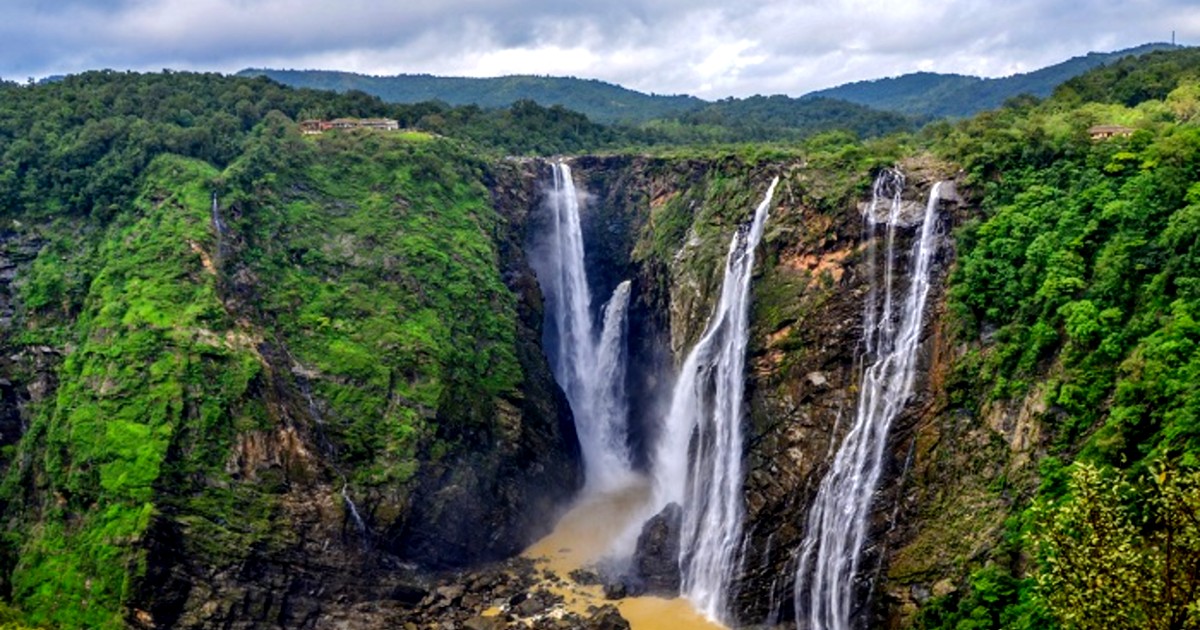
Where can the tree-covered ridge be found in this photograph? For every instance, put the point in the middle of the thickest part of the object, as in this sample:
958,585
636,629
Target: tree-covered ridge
633,118
78,145
925,95
600,101
780,118
931,95
1133,80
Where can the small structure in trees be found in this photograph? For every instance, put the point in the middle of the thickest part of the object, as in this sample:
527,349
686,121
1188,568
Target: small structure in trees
313,126
1104,132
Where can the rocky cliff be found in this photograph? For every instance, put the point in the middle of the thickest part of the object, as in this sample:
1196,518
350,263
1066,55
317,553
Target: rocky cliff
667,224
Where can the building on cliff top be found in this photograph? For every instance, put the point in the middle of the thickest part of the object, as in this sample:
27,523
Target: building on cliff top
313,126
1104,132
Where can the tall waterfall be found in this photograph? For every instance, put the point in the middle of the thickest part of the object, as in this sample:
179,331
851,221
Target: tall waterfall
590,367
706,407
837,522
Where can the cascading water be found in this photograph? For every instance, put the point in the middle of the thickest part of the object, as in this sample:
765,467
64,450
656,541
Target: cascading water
218,224
612,408
706,407
363,532
837,521
589,367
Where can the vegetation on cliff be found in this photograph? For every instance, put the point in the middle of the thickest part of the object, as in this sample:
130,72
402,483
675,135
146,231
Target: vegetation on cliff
1078,290
338,320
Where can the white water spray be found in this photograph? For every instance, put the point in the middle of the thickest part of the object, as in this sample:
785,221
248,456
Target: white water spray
705,421
589,367
837,521
363,533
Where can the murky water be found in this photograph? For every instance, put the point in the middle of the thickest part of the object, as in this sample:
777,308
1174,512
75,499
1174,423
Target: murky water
585,534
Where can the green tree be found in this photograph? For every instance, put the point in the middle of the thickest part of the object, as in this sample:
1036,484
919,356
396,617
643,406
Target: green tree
1107,561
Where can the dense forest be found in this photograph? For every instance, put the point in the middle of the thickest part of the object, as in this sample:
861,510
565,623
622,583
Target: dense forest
1076,291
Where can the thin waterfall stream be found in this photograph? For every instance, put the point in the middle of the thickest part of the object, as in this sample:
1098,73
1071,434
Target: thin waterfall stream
707,410
837,522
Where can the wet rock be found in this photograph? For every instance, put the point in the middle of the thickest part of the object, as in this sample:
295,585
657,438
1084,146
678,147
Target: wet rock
537,603
452,593
585,577
615,590
484,623
607,618
657,554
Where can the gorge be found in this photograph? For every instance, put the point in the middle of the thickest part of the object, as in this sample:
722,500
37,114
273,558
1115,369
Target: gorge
695,458
356,379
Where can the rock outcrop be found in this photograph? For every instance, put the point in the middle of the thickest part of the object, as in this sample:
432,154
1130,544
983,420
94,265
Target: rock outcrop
656,558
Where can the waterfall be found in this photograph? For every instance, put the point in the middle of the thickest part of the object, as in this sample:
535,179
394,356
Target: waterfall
589,367
706,407
612,409
837,521
358,520
218,225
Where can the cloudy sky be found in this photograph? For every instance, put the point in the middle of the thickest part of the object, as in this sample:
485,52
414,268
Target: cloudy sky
710,48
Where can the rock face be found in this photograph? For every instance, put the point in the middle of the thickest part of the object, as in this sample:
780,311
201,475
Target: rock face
656,558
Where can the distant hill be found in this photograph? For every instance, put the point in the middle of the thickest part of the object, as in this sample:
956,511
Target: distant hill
866,108
600,101
770,117
933,95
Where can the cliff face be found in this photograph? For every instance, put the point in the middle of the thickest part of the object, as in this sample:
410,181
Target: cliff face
667,223
258,397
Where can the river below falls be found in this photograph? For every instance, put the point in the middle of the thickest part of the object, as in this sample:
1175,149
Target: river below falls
582,537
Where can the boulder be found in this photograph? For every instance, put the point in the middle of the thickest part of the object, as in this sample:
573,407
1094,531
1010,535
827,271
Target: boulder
607,618
657,555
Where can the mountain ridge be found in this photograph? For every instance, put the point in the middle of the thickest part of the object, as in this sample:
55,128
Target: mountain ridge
936,95
918,94
599,100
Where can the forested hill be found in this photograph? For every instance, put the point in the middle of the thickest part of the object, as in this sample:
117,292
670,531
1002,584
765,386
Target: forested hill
600,101
921,94
935,95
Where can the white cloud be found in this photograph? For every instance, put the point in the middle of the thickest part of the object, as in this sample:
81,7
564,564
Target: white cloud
702,47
